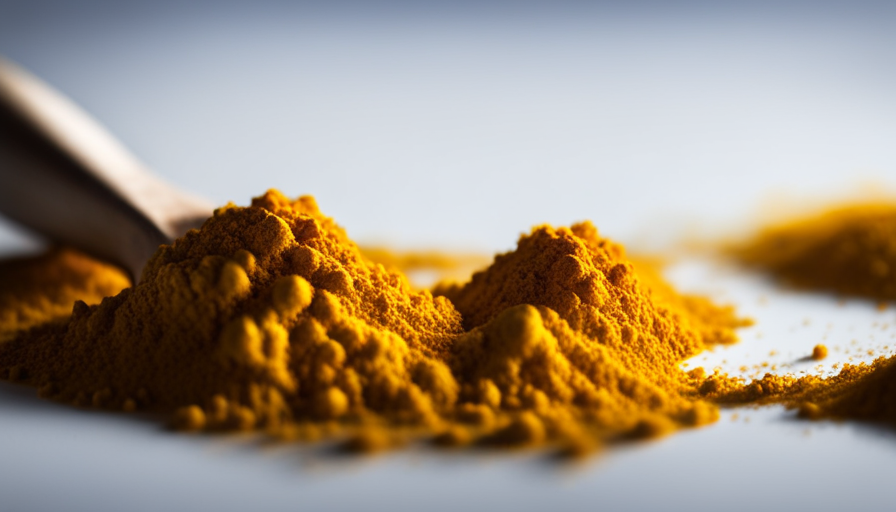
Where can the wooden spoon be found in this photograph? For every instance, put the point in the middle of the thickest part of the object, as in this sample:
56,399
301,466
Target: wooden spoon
64,176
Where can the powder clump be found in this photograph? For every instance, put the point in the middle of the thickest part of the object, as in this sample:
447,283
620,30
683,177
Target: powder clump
269,317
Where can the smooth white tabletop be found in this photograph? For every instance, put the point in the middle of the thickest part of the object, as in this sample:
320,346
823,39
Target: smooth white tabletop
460,126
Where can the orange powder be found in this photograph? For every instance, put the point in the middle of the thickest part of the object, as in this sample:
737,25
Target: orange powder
850,250
42,289
862,392
269,317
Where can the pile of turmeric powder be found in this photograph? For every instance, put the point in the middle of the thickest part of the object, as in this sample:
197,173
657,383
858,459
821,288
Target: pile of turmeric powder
42,289
848,250
270,318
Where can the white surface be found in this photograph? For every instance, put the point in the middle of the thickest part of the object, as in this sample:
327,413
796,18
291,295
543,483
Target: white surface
460,127
57,458
102,463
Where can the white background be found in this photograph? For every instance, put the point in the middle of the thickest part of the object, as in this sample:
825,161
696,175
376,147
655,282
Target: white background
460,126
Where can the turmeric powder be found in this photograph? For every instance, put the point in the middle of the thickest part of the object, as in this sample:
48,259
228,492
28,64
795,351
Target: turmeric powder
425,268
269,317
42,289
861,392
849,250
413,260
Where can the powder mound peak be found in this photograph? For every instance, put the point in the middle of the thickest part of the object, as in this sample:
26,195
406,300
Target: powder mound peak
561,268
590,283
275,237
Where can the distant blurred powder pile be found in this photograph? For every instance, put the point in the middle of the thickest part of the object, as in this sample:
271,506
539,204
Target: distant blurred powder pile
42,289
849,250
270,318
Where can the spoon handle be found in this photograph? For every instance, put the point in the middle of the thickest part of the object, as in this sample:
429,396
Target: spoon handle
64,176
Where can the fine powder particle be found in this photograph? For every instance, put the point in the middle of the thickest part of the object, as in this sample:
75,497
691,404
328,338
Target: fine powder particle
270,318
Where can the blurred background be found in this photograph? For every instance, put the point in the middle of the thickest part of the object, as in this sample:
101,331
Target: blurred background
459,125
462,124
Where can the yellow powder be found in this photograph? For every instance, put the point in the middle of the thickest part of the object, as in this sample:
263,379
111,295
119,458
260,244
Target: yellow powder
849,250
612,342
423,268
409,261
862,392
866,392
42,289
716,323
269,317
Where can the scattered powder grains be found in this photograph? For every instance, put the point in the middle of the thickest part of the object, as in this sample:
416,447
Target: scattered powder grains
863,392
850,250
269,317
